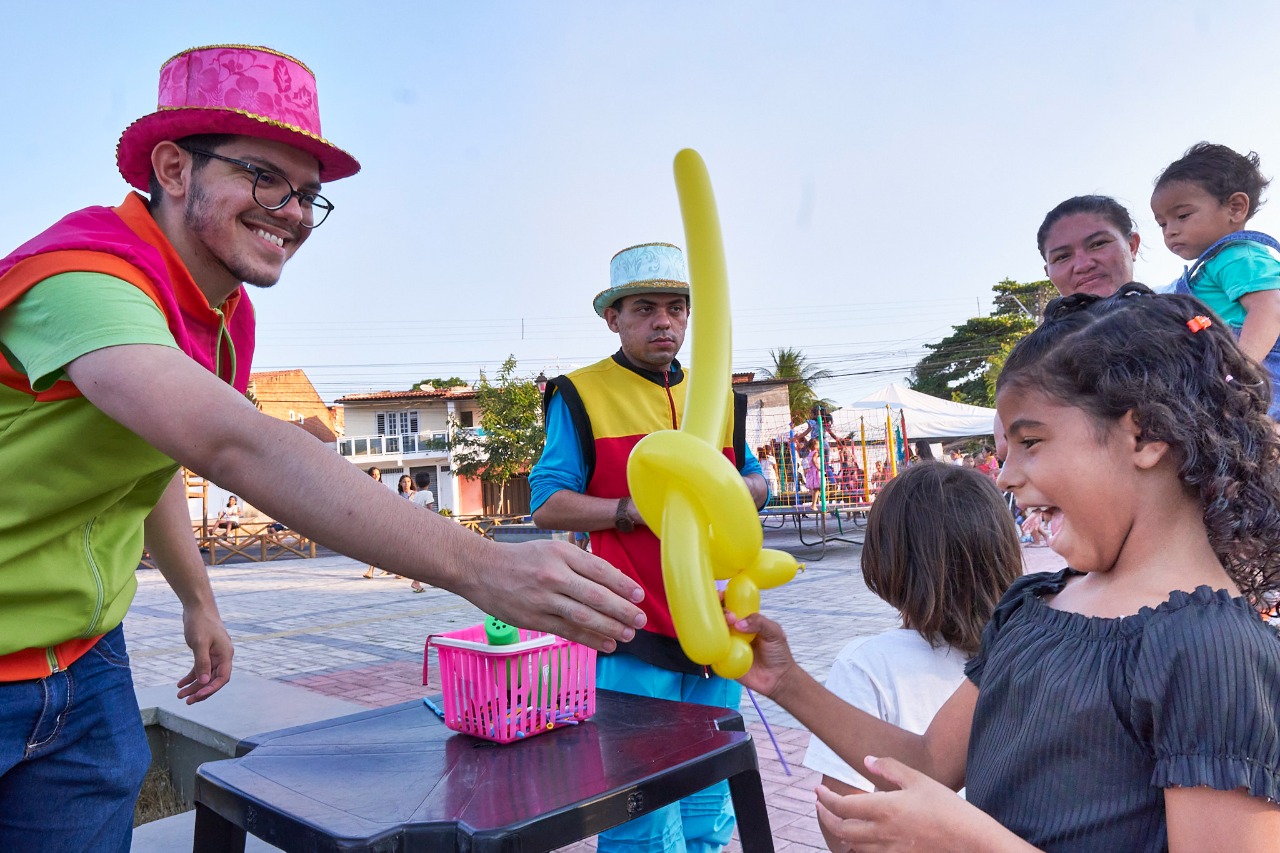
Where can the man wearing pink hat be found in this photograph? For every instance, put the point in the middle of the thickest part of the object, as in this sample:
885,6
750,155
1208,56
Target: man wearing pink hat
126,337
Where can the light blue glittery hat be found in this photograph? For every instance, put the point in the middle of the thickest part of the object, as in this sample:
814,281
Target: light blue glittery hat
647,268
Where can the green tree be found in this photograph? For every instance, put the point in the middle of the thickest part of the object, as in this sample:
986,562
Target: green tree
792,364
440,384
509,437
995,364
1027,299
963,366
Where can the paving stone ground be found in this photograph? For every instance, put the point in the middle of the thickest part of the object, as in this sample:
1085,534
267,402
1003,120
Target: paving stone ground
317,624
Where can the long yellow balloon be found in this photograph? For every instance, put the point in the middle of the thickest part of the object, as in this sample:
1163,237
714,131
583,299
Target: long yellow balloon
688,492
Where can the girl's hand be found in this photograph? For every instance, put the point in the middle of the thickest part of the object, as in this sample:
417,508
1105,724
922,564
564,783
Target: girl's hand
771,660
921,815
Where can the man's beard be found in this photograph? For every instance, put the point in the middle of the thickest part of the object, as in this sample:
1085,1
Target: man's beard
199,219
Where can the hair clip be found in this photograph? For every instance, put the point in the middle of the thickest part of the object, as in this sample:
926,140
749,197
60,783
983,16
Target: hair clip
1199,323
1229,379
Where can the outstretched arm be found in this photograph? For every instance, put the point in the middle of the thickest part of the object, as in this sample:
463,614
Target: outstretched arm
852,733
191,416
915,806
173,547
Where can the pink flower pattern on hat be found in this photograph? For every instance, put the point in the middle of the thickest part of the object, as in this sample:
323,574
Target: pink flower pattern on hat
240,79
233,89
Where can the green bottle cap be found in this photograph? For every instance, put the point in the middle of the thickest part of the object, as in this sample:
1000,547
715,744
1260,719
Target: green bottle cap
499,633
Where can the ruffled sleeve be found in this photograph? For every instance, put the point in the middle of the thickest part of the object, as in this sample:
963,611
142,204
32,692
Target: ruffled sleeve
1022,589
1205,687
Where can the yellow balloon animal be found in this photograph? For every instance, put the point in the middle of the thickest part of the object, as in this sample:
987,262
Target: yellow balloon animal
688,492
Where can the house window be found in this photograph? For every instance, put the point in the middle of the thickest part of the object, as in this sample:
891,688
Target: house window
397,423
467,419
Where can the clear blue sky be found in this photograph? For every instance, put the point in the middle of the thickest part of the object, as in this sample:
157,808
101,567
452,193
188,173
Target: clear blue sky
878,166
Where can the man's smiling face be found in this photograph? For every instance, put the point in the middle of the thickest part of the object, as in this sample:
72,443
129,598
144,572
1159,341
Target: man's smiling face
235,236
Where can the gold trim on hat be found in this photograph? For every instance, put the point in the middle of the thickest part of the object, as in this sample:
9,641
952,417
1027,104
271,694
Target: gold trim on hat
651,282
651,285
238,47
254,116
643,245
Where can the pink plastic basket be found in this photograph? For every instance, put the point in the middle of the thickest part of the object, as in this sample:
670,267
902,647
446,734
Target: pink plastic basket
504,693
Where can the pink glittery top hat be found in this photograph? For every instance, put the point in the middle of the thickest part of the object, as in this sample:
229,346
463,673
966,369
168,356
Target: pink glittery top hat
237,89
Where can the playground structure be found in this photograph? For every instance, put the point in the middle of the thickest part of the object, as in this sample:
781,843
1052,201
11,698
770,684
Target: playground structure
854,463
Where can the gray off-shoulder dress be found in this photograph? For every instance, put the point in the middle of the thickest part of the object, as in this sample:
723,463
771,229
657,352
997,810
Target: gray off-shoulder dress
1082,722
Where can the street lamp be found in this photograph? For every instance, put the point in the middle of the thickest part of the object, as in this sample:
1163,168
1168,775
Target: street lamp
541,381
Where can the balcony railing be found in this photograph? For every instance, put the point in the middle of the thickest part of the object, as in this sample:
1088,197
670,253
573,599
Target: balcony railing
357,446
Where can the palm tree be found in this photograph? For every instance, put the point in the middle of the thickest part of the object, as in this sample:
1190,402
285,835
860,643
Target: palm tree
791,364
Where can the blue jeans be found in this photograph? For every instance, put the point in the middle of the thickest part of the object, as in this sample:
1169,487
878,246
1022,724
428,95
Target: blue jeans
72,756
700,823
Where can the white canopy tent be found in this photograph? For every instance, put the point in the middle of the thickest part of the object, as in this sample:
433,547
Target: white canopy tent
927,417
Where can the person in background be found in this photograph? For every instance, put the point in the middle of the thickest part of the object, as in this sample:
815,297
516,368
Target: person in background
813,473
986,464
941,549
1088,244
768,468
594,417
229,517
422,495
820,421
404,486
1202,203
375,473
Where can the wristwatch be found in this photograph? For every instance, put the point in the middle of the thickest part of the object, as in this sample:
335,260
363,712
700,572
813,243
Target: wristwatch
621,520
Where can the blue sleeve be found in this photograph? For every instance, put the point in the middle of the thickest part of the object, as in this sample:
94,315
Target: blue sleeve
752,466
561,465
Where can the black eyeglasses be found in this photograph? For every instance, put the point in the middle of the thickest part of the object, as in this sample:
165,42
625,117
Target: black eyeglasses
272,190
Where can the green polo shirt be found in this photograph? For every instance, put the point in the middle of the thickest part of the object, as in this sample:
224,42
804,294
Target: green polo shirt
77,486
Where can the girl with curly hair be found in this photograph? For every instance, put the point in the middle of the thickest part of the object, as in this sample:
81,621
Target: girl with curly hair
1131,701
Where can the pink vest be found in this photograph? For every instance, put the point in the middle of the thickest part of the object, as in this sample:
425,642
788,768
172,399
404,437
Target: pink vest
125,242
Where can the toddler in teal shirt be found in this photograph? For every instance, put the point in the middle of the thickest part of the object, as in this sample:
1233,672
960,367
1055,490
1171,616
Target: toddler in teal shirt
1201,203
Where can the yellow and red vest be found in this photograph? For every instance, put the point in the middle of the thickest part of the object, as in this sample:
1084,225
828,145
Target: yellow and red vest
613,404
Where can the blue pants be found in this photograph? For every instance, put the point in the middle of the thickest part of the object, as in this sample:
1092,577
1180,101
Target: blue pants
72,756
701,823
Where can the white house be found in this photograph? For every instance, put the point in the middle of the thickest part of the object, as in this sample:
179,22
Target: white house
287,395
768,406
407,432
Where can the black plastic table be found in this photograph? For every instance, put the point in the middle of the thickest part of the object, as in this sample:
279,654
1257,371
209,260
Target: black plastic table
395,779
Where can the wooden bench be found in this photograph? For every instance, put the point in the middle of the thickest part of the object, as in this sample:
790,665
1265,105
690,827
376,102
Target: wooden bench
259,541
484,524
